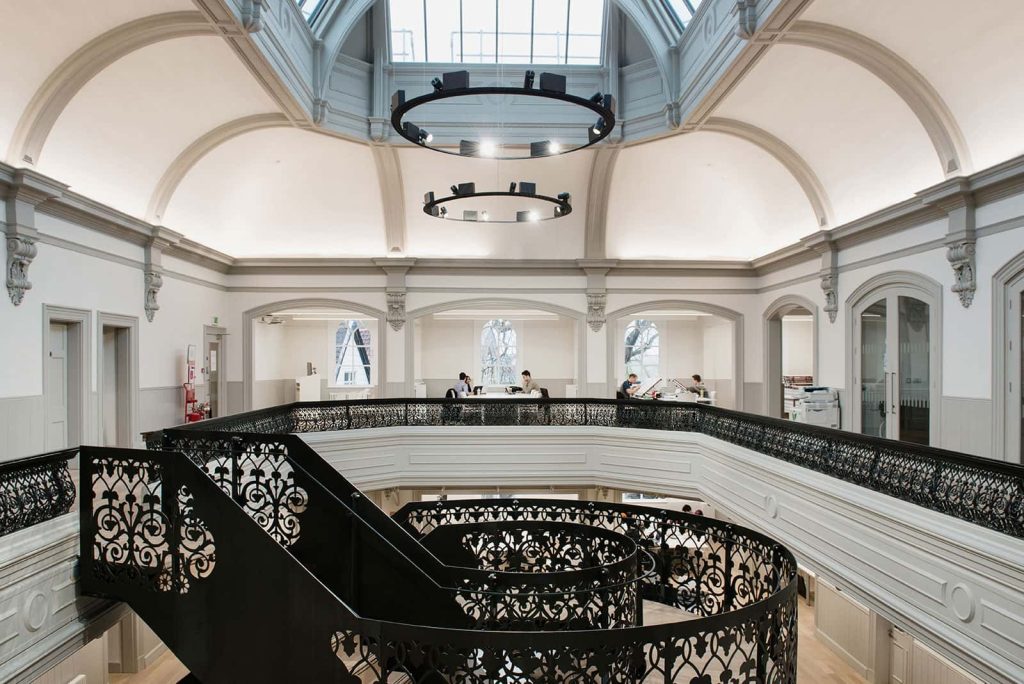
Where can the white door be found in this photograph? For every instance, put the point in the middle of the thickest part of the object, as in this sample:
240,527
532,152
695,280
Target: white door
893,372
56,389
901,660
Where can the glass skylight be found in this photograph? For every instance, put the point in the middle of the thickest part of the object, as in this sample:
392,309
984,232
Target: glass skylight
684,9
497,31
310,8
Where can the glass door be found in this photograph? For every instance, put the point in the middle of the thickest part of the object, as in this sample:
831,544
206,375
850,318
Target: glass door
894,368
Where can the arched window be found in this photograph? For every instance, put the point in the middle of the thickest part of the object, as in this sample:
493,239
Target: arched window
642,352
499,353
353,354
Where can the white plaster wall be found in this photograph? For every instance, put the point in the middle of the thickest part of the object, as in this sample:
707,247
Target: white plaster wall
797,346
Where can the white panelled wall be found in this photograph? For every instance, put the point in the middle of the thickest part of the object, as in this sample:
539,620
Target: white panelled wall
81,268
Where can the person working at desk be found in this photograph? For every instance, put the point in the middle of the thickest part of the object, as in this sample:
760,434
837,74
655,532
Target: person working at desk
630,386
698,386
462,387
529,384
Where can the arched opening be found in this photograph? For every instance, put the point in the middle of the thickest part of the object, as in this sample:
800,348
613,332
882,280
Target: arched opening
1008,360
311,350
675,340
493,341
790,352
895,325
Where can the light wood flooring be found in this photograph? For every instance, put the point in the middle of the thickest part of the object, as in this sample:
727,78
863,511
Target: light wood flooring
816,664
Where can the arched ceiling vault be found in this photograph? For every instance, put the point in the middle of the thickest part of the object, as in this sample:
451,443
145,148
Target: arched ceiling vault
190,156
53,96
902,77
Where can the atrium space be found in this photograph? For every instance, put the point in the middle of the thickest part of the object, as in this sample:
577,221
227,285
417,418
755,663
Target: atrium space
508,341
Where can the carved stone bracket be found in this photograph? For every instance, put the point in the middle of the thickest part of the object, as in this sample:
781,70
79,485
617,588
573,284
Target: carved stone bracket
956,199
596,302
828,286
319,111
746,18
24,194
396,310
20,253
961,257
252,15
154,281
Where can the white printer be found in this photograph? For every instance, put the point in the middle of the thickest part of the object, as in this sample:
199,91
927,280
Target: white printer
817,406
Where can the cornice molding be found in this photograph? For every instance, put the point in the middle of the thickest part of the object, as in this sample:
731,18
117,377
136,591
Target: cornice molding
986,186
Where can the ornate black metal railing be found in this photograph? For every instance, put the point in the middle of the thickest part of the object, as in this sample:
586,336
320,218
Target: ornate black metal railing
195,549
981,491
35,489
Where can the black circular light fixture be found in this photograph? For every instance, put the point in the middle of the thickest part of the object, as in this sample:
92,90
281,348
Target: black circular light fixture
455,84
443,207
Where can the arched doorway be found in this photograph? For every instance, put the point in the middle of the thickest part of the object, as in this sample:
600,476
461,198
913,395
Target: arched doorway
1008,361
894,323
680,325
790,351
343,340
443,339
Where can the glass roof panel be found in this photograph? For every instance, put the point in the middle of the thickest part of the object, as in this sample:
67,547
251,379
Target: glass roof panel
310,8
407,35
684,9
502,31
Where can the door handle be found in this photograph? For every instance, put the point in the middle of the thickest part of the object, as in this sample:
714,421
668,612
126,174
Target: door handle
885,393
892,393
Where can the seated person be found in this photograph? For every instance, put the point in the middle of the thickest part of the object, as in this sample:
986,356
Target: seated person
529,384
698,386
462,387
630,386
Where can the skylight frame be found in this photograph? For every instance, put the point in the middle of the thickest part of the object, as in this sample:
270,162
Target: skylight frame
312,15
491,53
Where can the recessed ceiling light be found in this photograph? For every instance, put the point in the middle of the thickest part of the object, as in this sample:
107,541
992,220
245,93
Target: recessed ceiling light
487,148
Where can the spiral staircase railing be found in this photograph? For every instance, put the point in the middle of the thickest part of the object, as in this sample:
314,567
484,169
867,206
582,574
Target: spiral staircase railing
236,521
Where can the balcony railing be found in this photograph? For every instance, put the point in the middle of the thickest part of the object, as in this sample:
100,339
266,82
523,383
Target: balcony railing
982,491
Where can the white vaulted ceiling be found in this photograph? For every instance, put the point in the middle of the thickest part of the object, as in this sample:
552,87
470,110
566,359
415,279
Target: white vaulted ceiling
818,133
703,196
283,192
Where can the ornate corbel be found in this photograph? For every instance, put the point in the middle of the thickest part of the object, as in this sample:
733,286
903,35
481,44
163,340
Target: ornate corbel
396,310
746,18
319,111
961,257
154,281
673,115
21,251
596,302
153,271
828,286
26,191
252,15
955,198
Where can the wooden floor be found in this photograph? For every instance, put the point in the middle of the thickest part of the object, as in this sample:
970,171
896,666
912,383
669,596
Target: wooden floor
816,663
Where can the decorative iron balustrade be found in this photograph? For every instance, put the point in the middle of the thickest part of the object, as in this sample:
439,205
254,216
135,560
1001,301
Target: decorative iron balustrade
982,491
171,536
35,489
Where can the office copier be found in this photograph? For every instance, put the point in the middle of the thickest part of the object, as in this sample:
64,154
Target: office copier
817,406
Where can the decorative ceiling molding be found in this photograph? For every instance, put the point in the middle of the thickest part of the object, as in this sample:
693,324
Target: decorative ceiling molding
190,156
598,190
922,98
785,155
392,195
50,100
